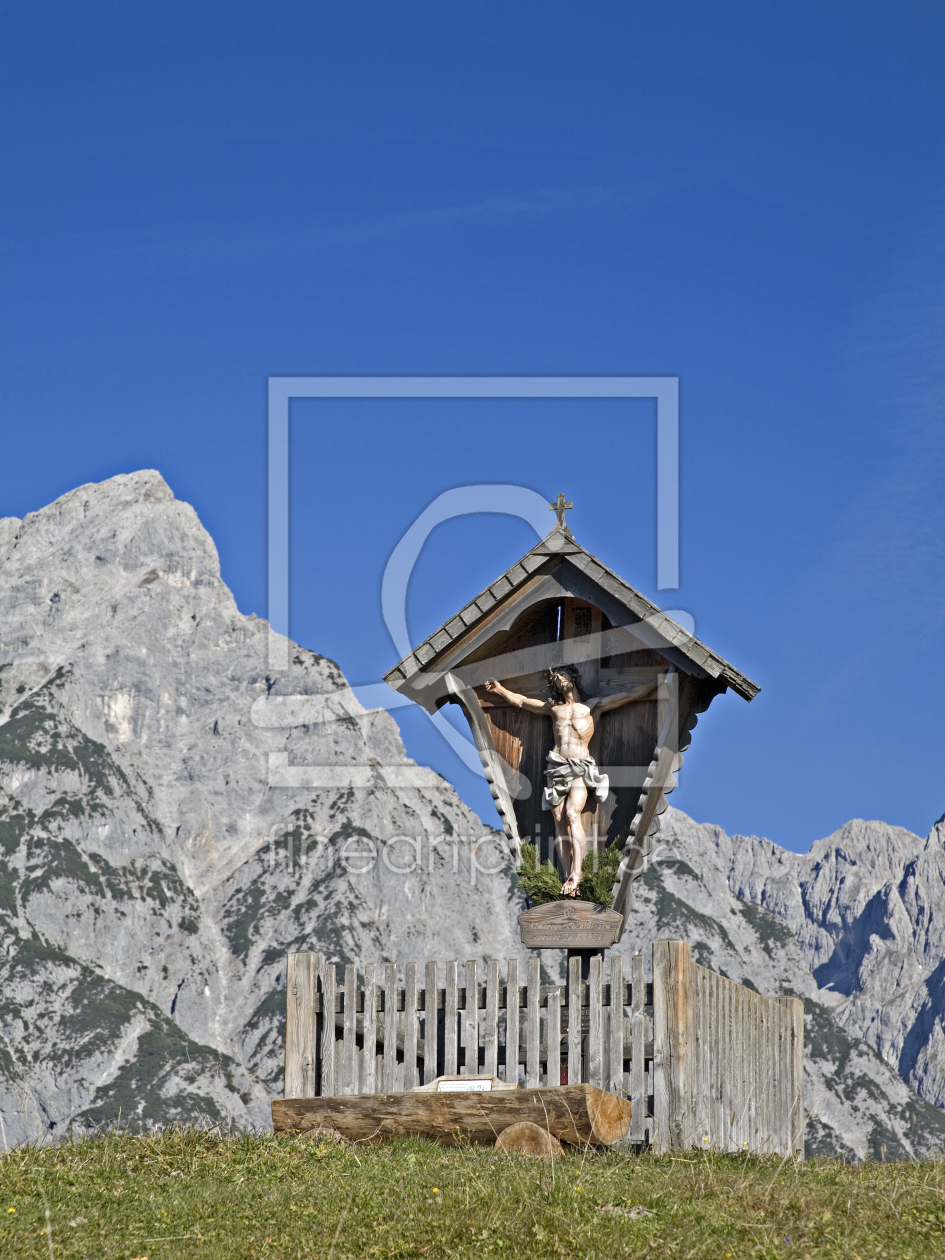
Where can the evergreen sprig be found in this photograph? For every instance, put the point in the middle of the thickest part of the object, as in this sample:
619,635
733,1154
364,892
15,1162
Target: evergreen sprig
542,883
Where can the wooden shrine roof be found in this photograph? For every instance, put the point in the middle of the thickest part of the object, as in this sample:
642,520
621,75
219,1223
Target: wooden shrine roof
561,543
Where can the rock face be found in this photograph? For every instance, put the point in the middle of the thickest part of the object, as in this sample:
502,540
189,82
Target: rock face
151,879
858,1105
154,873
866,906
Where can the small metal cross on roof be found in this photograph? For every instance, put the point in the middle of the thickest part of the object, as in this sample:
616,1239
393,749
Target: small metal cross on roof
561,507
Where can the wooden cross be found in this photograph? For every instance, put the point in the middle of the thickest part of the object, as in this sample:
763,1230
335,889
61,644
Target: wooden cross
560,507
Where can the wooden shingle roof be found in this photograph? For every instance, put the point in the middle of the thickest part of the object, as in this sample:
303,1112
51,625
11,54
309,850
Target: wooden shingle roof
560,543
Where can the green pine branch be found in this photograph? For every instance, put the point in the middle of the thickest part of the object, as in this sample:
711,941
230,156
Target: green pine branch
542,883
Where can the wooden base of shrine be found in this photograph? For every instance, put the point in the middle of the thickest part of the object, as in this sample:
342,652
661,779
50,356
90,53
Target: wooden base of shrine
578,1114
579,925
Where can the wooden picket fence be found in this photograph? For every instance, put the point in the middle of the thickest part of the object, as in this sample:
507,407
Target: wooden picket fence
705,1062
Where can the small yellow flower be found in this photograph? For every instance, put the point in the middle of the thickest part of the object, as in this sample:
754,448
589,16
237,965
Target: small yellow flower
436,1189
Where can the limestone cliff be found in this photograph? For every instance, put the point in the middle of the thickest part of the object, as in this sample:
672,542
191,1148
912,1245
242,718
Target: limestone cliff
153,874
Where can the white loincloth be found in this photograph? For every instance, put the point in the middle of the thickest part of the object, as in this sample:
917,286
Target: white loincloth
561,773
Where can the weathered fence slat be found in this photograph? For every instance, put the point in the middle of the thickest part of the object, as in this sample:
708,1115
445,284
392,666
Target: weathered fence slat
349,1059
326,1046
638,1091
554,1038
431,1024
773,1096
595,1031
672,1031
512,1002
390,1028
575,1005
451,1005
738,1100
717,1054
533,1025
490,1031
471,1019
369,1024
301,981
410,1026
615,1056
727,1062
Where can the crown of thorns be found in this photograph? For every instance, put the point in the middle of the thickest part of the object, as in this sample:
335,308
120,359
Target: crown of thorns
565,671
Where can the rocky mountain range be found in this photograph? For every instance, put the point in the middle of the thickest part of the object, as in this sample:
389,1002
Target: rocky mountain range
175,816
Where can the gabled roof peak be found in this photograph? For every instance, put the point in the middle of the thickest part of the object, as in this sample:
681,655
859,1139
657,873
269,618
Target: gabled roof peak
560,542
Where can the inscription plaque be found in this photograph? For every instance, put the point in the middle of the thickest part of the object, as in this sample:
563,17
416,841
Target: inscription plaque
569,925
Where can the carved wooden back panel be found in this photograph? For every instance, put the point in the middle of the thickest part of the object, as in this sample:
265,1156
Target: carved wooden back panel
625,738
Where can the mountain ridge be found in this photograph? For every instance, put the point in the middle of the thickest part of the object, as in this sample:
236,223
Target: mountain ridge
153,873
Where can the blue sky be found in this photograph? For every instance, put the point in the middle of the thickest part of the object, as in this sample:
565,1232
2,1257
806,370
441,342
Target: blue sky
749,197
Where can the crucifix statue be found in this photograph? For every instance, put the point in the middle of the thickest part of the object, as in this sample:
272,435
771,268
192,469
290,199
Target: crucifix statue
572,771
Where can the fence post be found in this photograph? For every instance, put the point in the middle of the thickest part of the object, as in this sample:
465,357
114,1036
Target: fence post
798,1118
301,976
672,1045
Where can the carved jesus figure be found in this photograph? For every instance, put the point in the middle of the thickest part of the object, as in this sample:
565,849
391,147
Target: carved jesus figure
571,768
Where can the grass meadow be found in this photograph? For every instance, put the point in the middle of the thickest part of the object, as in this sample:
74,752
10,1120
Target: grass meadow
196,1194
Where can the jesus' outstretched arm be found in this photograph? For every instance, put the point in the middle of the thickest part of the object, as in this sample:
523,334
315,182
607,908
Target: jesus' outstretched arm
520,702
603,704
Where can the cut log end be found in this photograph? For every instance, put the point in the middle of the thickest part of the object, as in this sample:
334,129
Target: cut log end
525,1138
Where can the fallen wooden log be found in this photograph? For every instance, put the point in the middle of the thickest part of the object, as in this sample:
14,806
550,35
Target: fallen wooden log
573,1113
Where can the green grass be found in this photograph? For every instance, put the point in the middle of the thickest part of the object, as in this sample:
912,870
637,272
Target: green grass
187,1194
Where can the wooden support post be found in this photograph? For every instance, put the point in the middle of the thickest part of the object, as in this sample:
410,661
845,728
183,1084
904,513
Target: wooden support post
301,983
672,1045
